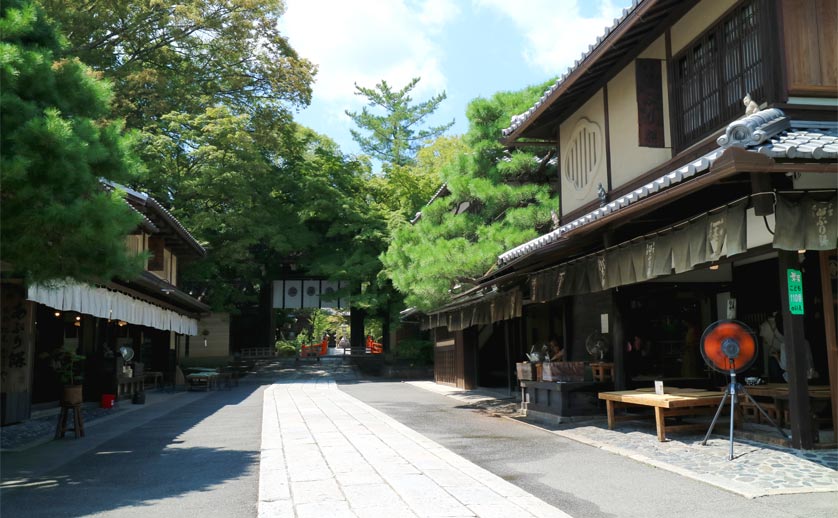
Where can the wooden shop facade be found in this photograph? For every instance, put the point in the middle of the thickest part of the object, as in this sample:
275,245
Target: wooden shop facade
698,165
149,318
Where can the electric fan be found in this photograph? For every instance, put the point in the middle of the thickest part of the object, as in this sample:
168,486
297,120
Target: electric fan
730,347
596,345
127,353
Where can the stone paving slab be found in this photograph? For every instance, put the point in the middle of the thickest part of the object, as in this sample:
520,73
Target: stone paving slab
757,469
365,463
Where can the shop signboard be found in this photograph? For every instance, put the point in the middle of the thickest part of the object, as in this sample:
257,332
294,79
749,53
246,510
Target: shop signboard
795,283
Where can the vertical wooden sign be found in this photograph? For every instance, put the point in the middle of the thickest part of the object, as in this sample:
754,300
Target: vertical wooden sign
650,130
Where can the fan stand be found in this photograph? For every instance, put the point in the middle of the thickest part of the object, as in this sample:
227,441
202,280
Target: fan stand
731,390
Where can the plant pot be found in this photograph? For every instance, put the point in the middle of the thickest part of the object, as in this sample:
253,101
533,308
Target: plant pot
72,395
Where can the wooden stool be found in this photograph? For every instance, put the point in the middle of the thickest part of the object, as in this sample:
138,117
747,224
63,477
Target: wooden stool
602,371
773,413
78,424
749,411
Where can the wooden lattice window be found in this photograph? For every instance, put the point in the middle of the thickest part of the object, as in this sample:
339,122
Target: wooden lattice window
711,76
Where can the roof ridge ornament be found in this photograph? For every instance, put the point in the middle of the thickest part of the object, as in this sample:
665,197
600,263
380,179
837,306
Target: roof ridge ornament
754,129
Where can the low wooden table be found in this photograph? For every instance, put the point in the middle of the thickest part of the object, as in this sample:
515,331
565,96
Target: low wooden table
675,402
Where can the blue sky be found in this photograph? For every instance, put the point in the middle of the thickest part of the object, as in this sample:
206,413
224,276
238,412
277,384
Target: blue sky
468,48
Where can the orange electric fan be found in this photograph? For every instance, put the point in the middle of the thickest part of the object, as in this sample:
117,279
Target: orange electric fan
730,347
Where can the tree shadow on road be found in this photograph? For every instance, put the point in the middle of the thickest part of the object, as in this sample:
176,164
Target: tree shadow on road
190,450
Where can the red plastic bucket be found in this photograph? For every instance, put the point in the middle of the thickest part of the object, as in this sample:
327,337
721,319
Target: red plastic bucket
108,400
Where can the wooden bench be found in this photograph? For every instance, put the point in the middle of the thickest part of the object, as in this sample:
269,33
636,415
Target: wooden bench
127,387
676,402
154,376
204,378
309,352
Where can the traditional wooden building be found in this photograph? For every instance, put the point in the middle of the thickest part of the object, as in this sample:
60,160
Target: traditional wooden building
698,164
149,314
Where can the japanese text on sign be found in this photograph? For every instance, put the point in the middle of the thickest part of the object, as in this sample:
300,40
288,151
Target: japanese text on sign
795,291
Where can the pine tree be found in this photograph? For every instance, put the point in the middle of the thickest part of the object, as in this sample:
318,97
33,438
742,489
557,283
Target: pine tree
56,143
498,199
395,137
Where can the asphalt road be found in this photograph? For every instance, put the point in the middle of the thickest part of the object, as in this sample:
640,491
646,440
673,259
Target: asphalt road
583,481
198,457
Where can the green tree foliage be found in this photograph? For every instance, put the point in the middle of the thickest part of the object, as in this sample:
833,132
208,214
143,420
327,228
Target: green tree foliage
345,230
395,136
56,142
165,56
499,199
211,85
406,189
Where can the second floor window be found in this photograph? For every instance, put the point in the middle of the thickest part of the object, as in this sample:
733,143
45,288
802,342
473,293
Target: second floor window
711,76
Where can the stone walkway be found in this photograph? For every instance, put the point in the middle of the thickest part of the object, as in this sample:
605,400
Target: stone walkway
324,453
757,469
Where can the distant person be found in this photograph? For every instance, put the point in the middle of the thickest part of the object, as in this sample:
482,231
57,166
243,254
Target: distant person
555,350
343,343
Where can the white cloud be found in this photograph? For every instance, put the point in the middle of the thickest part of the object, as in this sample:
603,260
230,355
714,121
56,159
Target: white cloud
365,41
556,31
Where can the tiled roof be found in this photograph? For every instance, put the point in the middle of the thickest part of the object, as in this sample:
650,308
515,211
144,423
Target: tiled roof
518,120
442,191
809,139
768,132
145,200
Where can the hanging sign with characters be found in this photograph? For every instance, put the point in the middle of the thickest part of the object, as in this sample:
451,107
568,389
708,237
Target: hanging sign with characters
795,291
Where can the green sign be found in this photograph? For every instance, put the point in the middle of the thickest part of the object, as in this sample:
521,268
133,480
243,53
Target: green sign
795,291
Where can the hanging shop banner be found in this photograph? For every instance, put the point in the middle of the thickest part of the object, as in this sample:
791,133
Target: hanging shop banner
795,282
308,293
806,223
104,303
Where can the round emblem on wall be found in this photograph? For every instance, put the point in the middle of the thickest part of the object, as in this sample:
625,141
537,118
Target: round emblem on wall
583,157
292,291
311,291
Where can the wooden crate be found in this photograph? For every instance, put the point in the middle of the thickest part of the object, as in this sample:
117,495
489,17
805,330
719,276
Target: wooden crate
564,371
528,371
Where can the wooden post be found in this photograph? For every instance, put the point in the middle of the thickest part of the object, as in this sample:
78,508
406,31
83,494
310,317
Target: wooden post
508,357
357,339
618,339
830,304
802,432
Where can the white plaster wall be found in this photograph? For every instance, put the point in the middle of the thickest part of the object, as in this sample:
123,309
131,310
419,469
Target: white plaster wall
628,159
594,111
218,339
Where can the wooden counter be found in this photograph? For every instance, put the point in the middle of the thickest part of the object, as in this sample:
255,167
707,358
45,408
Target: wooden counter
562,398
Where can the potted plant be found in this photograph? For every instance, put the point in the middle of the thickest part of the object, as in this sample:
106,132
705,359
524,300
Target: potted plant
66,362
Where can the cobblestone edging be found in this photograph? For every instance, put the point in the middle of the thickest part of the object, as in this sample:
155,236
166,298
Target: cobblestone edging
757,469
